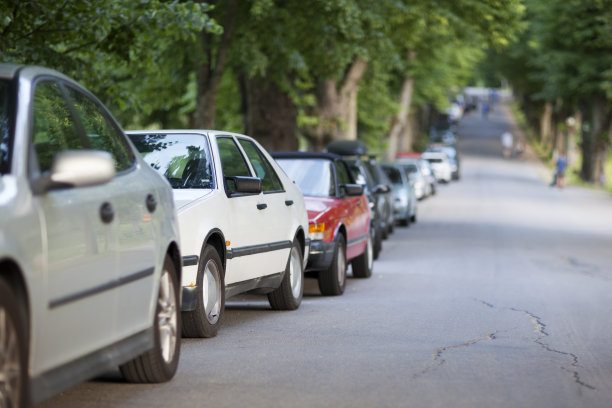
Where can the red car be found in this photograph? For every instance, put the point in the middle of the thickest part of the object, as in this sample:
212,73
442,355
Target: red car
339,217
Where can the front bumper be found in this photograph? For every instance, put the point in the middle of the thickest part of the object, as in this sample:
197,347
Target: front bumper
321,255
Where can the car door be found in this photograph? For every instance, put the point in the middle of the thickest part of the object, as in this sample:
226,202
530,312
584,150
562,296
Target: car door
277,213
80,241
356,212
247,236
134,203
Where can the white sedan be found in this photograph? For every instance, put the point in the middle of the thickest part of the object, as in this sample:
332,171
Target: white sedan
243,222
89,257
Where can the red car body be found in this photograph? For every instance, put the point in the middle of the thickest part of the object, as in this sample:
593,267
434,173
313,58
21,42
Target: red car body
339,215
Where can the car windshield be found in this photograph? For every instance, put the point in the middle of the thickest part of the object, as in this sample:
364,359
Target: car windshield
313,176
393,174
4,126
411,168
184,159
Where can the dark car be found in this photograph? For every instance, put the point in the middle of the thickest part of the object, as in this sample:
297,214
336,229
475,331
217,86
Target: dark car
339,217
379,195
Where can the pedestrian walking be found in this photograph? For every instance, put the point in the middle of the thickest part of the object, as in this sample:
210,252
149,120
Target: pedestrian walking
507,141
560,173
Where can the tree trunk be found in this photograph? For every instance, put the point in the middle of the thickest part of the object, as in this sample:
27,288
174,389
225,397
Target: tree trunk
595,138
400,122
270,115
545,125
210,69
336,108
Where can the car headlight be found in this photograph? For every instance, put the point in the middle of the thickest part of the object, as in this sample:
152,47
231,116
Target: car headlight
316,231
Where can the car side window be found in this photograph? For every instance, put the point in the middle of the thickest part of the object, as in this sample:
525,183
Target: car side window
100,131
343,176
264,170
232,161
54,129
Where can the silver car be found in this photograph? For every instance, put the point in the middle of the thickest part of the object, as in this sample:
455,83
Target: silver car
89,256
404,196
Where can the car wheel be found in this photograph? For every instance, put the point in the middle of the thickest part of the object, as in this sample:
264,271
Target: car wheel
160,363
289,294
363,264
404,222
205,320
333,280
13,351
413,218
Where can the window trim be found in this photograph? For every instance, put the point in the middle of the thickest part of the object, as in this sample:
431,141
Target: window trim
260,153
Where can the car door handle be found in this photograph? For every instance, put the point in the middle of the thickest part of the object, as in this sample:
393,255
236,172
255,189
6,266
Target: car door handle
107,213
288,202
262,206
151,203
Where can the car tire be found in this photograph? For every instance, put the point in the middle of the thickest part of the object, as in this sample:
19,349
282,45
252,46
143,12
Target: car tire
364,263
13,351
160,363
333,281
377,242
205,320
413,218
404,222
288,295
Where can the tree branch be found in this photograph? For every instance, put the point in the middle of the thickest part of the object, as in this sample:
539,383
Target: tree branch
353,76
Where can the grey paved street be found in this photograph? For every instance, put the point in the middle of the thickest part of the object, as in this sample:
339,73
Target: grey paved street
499,296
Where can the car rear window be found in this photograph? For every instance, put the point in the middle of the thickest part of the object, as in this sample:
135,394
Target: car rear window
393,174
5,126
184,159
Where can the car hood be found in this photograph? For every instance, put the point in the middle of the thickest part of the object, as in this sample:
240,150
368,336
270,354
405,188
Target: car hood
318,207
184,197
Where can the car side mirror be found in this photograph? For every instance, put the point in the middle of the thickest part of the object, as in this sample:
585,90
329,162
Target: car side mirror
76,168
382,189
242,185
352,190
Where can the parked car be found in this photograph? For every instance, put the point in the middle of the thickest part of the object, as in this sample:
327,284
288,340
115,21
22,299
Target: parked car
453,157
89,246
355,152
339,217
405,200
440,164
420,172
243,222
380,178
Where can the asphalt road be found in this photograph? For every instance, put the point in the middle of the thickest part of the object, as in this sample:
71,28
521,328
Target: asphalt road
499,296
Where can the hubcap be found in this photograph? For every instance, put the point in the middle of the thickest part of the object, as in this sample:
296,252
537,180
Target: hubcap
295,270
167,317
10,369
211,292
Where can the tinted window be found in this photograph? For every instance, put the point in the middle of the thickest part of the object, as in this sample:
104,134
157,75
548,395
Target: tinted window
314,177
100,132
342,173
393,174
232,162
263,168
4,126
184,159
54,128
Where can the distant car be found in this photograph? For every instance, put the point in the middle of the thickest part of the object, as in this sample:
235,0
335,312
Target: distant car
243,223
405,199
89,256
338,214
380,178
441,165
451,152
420,172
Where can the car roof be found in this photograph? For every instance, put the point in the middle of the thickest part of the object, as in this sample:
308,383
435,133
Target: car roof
9,71
305,155
208,132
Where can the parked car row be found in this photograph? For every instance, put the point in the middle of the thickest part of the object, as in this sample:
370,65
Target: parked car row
115,244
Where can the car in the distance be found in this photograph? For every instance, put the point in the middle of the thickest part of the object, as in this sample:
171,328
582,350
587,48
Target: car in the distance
405,199
90,262
338,214
440,164
242,221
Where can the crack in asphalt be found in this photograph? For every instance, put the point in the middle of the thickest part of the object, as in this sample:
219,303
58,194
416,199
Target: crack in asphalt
437,354
540,328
